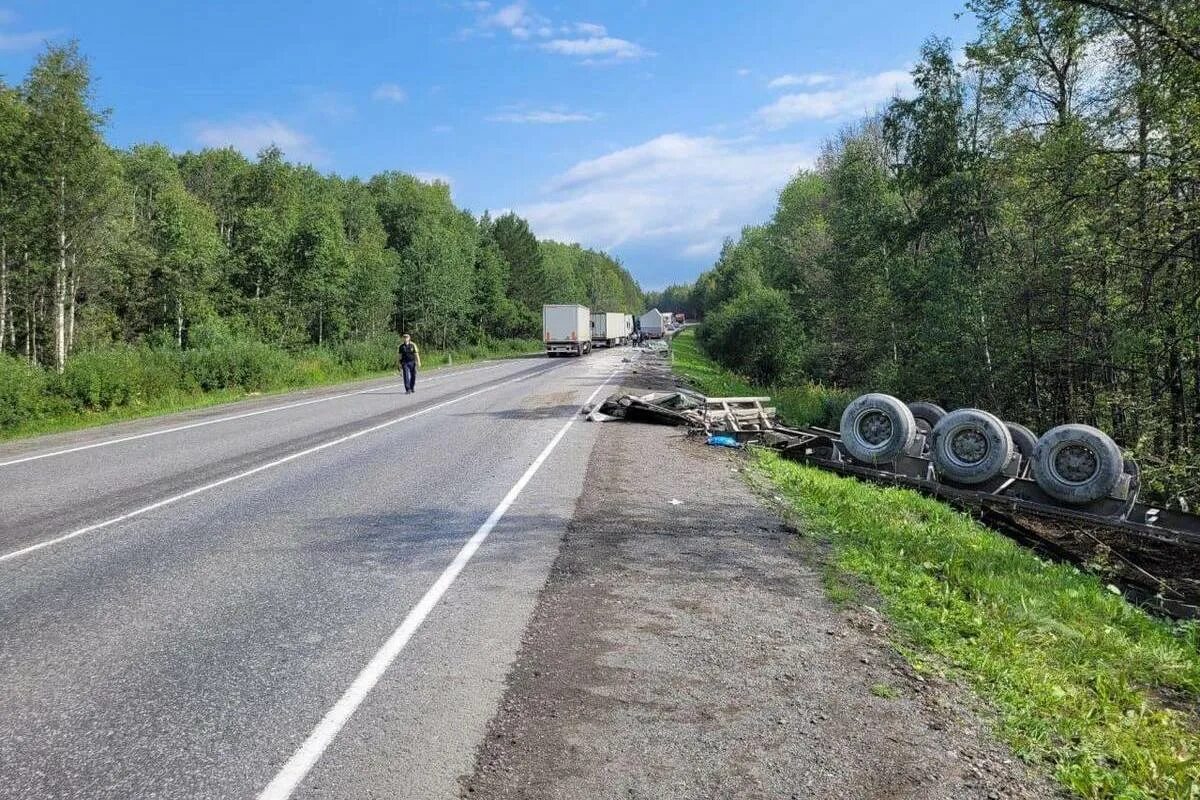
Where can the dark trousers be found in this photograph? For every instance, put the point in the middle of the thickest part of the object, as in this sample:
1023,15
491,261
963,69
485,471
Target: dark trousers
409,368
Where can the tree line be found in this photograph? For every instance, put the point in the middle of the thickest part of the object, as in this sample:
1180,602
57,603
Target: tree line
102,247
1022,235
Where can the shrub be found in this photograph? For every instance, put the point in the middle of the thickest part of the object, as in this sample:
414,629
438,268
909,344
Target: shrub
22,391
755,335
99,380
233,364
371,355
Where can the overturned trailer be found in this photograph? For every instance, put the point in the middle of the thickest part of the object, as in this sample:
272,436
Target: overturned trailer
1068,493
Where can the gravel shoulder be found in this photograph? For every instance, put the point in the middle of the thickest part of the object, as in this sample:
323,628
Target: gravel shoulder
684,647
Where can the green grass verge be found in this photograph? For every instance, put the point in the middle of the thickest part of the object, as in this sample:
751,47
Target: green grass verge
308,378
1102,694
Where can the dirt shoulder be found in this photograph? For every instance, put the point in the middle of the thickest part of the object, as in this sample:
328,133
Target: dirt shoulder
684,647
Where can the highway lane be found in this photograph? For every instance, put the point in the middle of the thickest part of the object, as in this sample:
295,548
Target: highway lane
193,649
67,481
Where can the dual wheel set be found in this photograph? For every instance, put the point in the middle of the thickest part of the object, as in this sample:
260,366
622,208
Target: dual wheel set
1074,464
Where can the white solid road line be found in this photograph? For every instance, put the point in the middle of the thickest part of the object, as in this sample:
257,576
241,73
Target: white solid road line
303,760
230,418
254,471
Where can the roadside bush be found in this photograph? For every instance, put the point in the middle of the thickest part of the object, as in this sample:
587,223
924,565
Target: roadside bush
233,364
371,355
755,335
22,391
99,380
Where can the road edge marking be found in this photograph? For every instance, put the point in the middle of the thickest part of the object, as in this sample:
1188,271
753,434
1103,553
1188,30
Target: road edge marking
230,418
296,769
247,473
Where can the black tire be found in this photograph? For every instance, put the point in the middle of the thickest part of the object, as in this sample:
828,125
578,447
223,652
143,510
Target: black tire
970,446
926,414
1024,439
1077,464
877,428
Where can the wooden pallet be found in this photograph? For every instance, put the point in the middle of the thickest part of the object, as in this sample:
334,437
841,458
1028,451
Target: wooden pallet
739,414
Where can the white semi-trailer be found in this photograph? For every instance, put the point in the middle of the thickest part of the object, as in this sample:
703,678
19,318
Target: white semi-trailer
652,324
566,330
608,328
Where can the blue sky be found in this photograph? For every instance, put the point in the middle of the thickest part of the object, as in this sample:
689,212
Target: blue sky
650,128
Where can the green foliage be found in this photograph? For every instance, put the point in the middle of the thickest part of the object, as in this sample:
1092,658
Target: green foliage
1015,236
756,335
22,391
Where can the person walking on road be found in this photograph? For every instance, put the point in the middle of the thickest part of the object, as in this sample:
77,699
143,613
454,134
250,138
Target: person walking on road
410,361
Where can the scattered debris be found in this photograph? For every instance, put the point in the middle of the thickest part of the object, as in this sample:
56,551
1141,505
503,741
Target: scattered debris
686,408
723,441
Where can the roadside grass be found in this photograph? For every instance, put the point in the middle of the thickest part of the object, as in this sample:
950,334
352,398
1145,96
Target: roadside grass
811,404
305,371
1083,682
885,691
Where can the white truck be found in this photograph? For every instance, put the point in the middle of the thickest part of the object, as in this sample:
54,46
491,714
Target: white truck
566,330
652,324
608,328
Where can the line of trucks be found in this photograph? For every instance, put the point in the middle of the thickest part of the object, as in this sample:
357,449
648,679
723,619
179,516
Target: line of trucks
569,329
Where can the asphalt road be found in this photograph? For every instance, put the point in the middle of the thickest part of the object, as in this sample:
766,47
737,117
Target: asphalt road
316,595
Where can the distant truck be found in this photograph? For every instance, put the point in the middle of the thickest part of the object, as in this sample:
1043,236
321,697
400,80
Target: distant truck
566,330
629,327
608,328
679,317
652,325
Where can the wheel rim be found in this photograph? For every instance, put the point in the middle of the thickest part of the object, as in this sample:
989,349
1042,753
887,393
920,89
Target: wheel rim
874,428
1074,463
967,446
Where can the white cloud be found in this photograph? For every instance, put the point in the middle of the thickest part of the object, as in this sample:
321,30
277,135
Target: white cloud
743,72
588,41
588,29
855,96
518,20
807,79
252,134
684,192
390,92
597,48
15,42
546,117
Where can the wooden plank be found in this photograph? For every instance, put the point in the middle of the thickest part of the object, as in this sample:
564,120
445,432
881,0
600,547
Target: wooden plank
739,399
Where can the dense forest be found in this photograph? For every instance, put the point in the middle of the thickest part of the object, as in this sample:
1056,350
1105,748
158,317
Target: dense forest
1021,235
140,249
